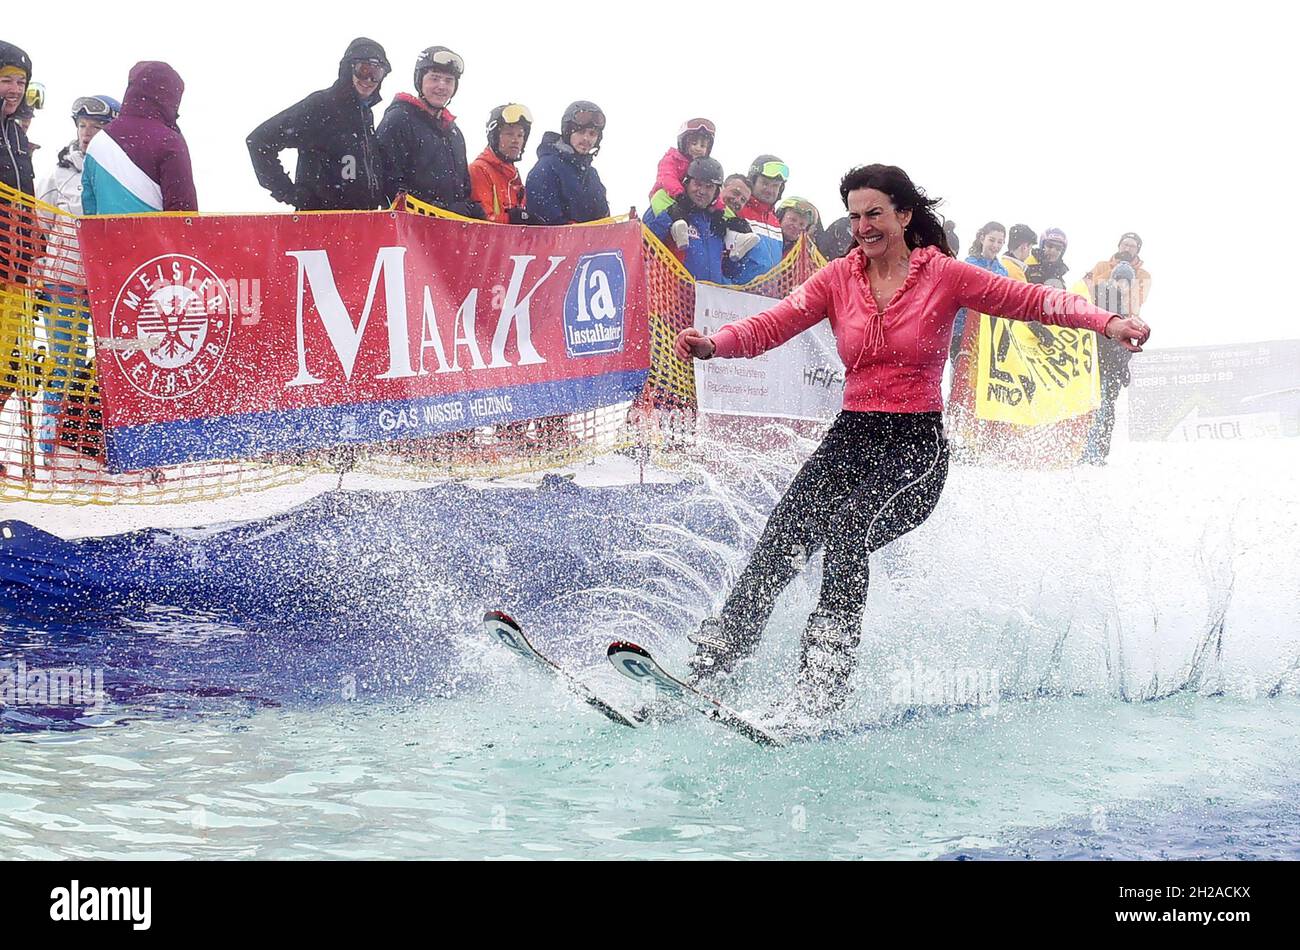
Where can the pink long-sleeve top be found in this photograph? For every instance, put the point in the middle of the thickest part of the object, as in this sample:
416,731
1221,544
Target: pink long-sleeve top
894,358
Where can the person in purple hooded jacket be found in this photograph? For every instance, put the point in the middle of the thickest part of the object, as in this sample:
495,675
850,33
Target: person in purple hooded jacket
140,162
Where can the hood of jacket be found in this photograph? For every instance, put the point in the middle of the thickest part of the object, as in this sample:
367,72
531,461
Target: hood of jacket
153,91
361,48
71,156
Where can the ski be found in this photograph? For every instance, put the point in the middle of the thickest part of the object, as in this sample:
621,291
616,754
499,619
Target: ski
636,663
507,631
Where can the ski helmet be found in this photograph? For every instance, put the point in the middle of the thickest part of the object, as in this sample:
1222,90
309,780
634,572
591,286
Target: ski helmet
512,113
801,205
583,114
706,169
101,108
443,60
695,126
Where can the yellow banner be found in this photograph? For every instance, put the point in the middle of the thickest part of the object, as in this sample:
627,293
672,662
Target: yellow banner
1034,377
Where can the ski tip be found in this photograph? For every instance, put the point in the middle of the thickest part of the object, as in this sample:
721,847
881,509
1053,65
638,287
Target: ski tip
623,646
500,616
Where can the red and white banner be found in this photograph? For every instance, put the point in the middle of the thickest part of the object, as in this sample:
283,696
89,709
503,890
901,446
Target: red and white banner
231,336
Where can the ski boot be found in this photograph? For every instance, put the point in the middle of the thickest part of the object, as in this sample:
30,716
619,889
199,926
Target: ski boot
827,656
717,651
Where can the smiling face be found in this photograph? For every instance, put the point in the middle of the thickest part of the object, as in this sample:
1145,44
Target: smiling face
437,88
793,225
87,129
1052,252
701,193
1130,247
735,194
698,145
991,246
877,226
13,86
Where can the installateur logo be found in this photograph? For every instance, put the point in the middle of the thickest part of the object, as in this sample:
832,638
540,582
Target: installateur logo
171,325
594,305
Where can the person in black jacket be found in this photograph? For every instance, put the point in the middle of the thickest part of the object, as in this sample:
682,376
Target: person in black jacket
16,250
334,132
424,150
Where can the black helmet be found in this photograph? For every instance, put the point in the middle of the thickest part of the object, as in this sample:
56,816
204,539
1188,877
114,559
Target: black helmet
706,169
512,113
442,59
580,115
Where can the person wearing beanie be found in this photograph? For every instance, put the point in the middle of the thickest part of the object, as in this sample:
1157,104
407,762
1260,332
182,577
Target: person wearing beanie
339,160
424,149
495,182
1020,246
16,153
564,187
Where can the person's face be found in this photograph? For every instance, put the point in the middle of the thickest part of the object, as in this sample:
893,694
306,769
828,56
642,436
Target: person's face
1052,252
1021,251
735,194
701,193
510,139
12,89
697,145
793,225
877,225
1130,247
86,130
366,77
767,189
437,88
584,139
991,246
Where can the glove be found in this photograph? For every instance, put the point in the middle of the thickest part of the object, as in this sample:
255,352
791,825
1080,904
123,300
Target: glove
742,245
681,232
521,216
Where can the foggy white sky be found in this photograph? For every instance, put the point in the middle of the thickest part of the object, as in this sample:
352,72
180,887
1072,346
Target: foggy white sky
1096,117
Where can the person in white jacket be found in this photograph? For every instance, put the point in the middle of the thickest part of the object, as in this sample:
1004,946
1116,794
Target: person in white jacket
66,308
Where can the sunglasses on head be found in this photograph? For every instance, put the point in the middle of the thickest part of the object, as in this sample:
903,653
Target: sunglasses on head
92,106
589,120
775,170
445,57
515,113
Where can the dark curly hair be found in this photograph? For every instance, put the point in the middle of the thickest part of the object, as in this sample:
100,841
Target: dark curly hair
926,227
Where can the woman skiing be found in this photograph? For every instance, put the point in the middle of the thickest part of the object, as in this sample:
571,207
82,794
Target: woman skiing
879,472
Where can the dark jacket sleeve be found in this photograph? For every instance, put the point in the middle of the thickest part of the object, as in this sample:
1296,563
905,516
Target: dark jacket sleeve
268,140
177,174
397,151
544,196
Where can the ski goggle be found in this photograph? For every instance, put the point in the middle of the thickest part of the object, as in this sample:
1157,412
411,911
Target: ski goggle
775,170
91,107
369,70
445,57
516,113
700,125
36,95
589,120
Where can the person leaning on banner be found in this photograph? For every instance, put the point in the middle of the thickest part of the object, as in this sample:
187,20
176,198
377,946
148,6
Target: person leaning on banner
563,187
140,162
1020,245
424,149
693,224
1120,284
339,163
495,182
1046,265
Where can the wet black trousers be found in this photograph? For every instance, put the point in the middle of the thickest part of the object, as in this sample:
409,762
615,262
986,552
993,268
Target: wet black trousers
875,477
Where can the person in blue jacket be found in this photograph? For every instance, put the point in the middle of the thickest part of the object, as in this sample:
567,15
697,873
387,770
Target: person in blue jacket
562,187
699,230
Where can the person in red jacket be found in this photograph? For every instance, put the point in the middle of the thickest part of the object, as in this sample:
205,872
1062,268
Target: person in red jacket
881,468
494,179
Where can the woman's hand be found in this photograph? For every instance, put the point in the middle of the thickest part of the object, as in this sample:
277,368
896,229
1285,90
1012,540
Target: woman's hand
692,343
1129,332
